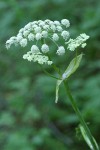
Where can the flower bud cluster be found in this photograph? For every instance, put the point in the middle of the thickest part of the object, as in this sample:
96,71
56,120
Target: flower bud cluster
37,57
79,41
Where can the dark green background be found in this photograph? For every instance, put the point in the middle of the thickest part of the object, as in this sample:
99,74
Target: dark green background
29,117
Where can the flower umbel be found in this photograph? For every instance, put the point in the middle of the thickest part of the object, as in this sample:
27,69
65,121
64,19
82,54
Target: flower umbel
39,32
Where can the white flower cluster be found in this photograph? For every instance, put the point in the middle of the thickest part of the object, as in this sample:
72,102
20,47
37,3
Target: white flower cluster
39,33
79,41
37,57
41,30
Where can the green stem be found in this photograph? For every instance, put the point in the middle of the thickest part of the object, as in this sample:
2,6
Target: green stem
50,75
74,105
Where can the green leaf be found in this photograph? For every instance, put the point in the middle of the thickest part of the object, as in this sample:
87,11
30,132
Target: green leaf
86,138
74,64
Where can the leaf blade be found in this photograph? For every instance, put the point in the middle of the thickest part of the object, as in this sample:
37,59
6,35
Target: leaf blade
72,67
74,64
86,138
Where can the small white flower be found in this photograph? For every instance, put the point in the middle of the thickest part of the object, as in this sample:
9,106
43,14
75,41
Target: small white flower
45,48
34,49
61,50
53,27
51,23
39,21
29,58
25,33
19,34
44,34
46,27
59,28
72,45
83,45
49,62
21,30
31,37
38,36
37,29
47,21
84,36
65,22
19,38
55,37
25,56
42,23
57,23
23,42
28,26
34,22
34,26
8,44
12,40
65,35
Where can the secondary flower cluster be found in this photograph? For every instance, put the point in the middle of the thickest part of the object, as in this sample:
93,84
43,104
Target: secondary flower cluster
79,41
39,32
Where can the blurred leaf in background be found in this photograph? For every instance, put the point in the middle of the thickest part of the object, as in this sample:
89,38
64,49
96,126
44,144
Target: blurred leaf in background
29,118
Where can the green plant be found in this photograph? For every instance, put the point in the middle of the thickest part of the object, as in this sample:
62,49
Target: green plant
39,32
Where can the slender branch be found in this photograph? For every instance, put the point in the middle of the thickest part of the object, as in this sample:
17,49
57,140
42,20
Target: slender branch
50,75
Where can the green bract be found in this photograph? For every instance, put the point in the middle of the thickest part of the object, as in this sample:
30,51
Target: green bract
74,64
85,136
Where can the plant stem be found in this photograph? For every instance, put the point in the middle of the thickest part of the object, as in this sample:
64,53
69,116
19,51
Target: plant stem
74,105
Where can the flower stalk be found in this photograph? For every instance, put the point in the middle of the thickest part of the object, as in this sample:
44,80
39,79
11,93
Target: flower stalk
92,143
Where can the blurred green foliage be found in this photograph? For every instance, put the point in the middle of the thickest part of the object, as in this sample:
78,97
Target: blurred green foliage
29,118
